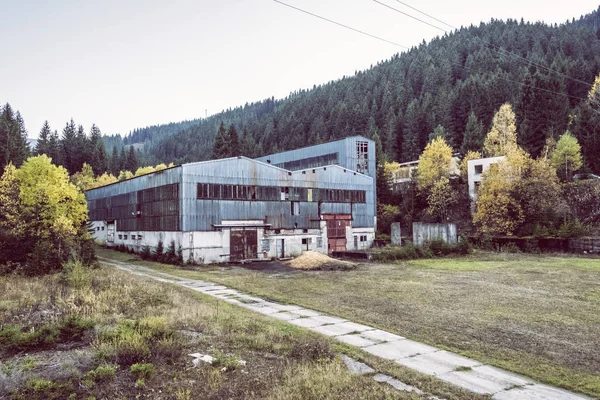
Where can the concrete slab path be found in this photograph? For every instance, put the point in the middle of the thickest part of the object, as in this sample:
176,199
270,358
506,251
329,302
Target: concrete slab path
453,368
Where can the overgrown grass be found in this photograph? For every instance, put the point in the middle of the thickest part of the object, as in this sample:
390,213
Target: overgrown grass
434,248
102,333
536,315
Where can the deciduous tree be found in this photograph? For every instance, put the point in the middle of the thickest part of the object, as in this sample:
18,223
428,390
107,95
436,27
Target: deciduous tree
45,210
566,157
502,138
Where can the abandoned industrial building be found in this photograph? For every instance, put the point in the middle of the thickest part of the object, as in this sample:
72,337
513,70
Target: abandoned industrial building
319,198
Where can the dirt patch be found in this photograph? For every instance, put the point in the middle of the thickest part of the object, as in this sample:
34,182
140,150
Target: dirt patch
311,260
267,266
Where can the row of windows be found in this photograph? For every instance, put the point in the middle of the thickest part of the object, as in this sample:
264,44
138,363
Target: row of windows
150,209
151,195
216,191
166,223
133,237
155,209
310,162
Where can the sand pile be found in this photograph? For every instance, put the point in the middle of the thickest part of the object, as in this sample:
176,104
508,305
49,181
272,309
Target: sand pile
314,260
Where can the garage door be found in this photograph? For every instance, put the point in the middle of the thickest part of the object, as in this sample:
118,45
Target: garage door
244,244
336,231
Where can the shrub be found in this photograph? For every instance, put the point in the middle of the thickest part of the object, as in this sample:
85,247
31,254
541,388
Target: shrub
171,254
510,247
142,371
154,328
146,254
407,252
123,345
429,249
74,328
179,255
103,372
74,274
158,253
570,229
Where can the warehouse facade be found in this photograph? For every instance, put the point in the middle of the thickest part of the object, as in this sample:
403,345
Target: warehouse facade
238,209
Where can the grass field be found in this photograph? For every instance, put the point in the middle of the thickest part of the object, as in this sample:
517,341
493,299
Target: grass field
102,333
535,315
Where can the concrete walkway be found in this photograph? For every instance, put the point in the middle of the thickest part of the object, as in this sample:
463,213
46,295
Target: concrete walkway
453,368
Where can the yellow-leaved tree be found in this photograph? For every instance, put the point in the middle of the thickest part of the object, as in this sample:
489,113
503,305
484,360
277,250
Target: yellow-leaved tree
497,211
433,178
502,138
566,156
43,212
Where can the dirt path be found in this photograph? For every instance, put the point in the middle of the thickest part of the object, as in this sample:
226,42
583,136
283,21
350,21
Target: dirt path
453,368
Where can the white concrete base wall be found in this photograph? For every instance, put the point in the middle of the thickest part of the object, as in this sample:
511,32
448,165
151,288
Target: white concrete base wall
214,246
358,232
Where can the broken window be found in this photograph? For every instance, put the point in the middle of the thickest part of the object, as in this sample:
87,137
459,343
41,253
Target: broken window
362,156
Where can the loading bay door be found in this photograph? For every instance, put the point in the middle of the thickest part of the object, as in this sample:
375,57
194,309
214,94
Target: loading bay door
336,231
244,244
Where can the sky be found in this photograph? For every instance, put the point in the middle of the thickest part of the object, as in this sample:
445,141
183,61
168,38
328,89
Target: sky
132,63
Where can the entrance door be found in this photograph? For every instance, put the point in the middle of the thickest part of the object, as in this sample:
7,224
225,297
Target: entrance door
280,248
110,232
336,230
244,244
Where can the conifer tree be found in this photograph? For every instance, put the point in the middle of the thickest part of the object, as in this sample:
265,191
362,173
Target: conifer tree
43,143
221,145
122,160
97,151
247,146
13,138
69,147
115,164
474,135
131,163
234,143
54,148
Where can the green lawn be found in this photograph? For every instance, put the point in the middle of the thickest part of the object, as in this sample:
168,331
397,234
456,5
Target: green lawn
535,315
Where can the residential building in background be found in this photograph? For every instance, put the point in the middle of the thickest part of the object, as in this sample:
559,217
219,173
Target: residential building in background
475,169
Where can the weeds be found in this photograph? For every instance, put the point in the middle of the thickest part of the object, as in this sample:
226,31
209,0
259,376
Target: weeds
430,249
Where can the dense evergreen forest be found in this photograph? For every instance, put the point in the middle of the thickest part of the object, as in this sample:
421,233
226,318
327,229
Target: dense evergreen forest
544,71
70,149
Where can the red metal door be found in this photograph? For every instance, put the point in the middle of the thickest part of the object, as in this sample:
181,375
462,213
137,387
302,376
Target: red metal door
336,231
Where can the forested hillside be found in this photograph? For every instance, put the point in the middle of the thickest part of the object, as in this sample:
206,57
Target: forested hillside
544,71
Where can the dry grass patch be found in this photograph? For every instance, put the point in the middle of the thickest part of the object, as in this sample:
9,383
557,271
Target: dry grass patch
107,334
534,315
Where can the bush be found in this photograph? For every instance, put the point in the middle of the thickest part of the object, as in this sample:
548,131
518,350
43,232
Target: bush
75,275
434,248
103,372
146,254
142,371
159,252
570,229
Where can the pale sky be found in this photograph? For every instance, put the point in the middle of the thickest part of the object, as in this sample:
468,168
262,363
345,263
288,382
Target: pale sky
129,64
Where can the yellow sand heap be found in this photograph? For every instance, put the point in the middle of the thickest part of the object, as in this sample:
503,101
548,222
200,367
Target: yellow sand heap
314,260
